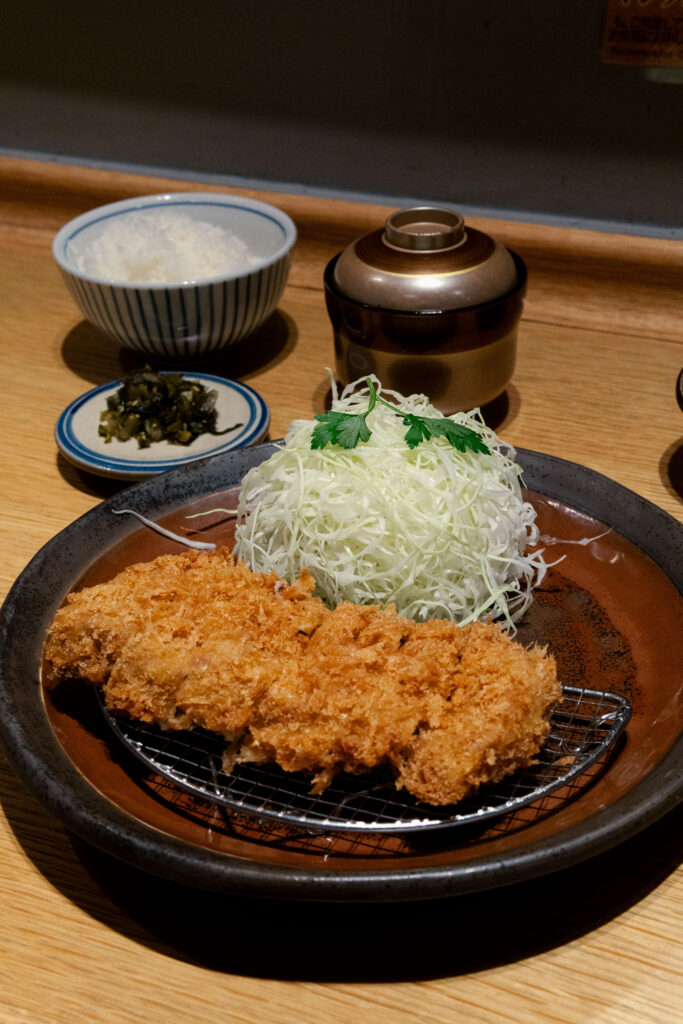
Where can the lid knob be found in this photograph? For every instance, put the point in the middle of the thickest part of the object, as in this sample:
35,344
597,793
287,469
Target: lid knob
424,228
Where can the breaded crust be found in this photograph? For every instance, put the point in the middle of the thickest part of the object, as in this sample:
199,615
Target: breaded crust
197,640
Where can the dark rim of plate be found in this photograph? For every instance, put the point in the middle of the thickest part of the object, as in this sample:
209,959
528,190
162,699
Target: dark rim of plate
585,724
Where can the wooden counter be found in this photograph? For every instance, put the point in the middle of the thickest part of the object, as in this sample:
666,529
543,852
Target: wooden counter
84,938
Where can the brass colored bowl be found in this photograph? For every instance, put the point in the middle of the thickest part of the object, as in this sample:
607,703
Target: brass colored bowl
460,352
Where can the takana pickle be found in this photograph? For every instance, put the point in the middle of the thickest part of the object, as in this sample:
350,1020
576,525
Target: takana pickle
151,407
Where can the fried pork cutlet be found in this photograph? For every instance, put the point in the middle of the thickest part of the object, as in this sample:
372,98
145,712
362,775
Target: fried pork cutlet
197,640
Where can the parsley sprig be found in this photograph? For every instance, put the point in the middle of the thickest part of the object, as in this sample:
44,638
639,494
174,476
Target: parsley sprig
347,429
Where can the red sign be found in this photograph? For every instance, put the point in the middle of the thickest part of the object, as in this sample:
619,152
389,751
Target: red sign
644,32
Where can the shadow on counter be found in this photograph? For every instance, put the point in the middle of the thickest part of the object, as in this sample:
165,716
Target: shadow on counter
348,942
95,359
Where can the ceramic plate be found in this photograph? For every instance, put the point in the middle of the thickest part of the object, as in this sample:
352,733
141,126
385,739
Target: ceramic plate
611,612
237,405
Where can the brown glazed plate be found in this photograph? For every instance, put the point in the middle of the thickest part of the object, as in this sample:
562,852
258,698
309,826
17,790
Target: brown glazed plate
611,611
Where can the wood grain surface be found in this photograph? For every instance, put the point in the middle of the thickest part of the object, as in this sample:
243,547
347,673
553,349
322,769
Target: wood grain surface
84,938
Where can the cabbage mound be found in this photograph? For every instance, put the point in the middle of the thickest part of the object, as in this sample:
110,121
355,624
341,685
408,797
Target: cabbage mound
436,532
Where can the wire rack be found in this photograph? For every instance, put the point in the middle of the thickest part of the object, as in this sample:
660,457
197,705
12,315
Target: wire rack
585,724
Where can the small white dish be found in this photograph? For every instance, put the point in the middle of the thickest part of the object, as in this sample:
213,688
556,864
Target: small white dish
76,432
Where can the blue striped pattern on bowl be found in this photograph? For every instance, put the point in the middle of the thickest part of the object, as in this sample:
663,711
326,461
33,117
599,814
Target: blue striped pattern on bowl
185,321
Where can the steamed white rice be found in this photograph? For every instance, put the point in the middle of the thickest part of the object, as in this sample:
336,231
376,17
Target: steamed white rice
163,247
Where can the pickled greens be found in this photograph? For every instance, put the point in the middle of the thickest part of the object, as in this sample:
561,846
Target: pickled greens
151,406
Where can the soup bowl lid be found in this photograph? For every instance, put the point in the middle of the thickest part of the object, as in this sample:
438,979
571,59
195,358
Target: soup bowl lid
425,258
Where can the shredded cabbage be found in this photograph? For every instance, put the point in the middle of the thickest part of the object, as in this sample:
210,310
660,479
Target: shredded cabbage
435,532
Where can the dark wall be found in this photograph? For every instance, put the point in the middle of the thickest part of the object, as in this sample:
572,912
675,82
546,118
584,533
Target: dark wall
501,105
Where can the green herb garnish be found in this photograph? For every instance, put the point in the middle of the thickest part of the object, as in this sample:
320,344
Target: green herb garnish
424,427
344,428
347,429
151,406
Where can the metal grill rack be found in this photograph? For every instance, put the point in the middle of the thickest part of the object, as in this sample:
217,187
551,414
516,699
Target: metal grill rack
585,724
